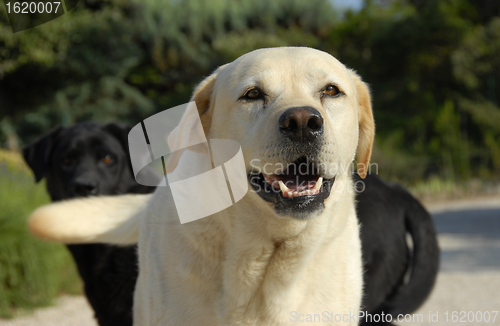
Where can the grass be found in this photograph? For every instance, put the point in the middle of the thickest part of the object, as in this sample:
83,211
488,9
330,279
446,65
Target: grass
434,179
32,272
440,189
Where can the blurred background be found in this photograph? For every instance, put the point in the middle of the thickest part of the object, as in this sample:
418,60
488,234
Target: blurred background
433,67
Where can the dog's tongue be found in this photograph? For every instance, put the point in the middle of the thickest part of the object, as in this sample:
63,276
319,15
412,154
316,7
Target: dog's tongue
295,185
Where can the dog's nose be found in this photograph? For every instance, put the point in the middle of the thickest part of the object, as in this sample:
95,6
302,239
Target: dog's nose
85,187
301,124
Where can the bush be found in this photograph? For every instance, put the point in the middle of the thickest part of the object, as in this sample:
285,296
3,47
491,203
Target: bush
32,272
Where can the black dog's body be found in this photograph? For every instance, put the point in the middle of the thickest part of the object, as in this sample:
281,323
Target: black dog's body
93,159
109,274
71,161
397,279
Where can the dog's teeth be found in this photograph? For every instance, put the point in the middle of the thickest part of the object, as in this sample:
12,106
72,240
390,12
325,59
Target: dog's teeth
268,179
291,193
284,188
318,184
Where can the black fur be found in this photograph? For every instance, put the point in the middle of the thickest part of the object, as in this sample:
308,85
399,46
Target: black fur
386,213
71,160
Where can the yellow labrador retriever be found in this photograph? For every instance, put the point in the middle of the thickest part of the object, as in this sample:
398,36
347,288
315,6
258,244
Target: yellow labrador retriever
289,251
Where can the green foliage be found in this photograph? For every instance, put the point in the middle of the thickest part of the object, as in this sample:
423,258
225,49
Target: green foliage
433,66
128,59
32,272
428,63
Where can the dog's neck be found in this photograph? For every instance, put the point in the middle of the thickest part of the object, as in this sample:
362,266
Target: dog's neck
268,258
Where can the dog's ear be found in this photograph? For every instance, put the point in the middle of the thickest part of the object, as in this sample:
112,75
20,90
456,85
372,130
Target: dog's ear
120,132
37,154
188,131
204,99
366,126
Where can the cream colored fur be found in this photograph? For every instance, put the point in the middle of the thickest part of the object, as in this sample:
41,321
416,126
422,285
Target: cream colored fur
55,222
245,265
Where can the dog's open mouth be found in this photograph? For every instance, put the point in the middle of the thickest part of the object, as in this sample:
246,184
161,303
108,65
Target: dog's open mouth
293,185
299,190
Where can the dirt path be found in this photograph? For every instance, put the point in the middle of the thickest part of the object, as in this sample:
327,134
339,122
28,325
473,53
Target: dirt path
69,311
469,280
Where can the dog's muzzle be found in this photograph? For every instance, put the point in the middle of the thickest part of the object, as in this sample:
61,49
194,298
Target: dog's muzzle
298,191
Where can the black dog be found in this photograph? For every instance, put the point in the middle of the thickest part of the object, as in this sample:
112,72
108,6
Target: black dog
398,278
92,159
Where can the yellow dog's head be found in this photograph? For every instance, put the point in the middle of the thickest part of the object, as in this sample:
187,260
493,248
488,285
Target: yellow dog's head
300,116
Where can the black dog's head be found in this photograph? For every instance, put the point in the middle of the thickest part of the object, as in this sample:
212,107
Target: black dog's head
85,159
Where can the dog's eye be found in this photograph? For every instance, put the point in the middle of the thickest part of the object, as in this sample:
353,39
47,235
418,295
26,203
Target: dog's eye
253,94
67,161
331,90
107,159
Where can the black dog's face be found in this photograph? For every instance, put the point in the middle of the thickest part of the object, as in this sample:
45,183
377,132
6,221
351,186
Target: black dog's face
83,160
86,161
